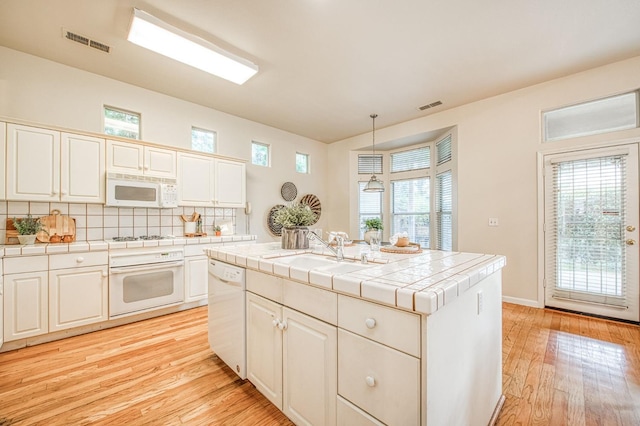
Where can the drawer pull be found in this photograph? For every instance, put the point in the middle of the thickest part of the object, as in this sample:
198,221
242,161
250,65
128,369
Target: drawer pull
80,259
370,322
371,382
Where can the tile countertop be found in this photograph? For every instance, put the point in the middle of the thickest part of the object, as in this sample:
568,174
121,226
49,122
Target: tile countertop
422,282
82,246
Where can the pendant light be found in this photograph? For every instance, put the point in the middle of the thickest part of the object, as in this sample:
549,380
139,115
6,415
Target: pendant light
374,185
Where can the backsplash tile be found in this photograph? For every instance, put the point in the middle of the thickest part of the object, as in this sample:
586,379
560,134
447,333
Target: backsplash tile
97,222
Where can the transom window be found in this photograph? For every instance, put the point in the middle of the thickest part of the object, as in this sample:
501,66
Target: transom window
414,159
369,164
203,140
260,154
302,163
119,122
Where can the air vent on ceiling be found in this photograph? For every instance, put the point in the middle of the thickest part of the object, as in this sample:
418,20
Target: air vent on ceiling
431,105
85,41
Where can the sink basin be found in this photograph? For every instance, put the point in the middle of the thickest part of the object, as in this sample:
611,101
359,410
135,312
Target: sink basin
344,267
306,261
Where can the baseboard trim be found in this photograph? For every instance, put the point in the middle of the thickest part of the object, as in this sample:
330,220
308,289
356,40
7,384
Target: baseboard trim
519,301
496,411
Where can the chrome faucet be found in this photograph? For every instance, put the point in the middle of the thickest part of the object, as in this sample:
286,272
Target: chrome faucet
338,251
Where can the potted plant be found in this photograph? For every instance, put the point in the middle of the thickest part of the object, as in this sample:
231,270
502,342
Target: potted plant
373,228
217,230
294,220
27,228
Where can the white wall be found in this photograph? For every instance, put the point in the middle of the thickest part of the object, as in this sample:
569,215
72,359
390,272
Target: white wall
46,92
498,142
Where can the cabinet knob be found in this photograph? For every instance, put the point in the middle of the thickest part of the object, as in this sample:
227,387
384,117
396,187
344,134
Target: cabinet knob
282,325
104,274
275,322
370,322
370,381
79,259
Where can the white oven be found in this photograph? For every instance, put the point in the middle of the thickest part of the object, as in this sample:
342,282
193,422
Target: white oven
145,278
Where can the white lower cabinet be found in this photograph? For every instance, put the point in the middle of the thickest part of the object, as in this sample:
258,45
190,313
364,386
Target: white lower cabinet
26,297
292,360
78,296
196,276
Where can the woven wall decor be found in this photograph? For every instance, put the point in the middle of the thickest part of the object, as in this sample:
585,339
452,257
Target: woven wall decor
274,228
314,204
289,191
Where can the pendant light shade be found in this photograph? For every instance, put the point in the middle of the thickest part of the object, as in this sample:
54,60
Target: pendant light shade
374,185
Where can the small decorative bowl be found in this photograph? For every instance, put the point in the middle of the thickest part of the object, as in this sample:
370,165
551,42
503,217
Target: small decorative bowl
402,242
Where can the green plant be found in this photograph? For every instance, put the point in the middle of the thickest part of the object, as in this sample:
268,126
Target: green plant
27,225
374,223
295,214
217,228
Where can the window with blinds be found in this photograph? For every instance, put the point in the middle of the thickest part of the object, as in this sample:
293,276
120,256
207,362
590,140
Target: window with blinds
410,209
443,150
444,211
369,206
414,159
369,164
584,224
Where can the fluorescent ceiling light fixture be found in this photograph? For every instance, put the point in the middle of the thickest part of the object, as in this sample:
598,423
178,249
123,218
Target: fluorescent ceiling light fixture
151,33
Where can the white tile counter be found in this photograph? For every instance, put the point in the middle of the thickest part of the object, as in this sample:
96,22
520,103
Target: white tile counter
422,282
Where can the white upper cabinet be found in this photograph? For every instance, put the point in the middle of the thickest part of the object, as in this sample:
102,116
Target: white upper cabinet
33,163
136,159
82,177
195,180
230,183
3,150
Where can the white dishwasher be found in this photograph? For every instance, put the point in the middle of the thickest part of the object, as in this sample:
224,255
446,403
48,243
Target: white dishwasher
227,332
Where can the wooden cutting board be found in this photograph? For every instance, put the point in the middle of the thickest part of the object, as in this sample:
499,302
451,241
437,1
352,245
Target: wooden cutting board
57,224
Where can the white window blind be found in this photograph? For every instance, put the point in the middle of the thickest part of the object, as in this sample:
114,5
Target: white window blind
410,209
414,159
585,235
443,150
444,211
369,206
369,164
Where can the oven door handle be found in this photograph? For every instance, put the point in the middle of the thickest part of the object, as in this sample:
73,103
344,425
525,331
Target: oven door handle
151,267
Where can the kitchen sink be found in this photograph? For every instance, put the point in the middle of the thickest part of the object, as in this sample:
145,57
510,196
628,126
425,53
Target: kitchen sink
306,261
344,267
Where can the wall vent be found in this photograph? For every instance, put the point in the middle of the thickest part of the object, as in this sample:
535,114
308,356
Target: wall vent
431,105
69,35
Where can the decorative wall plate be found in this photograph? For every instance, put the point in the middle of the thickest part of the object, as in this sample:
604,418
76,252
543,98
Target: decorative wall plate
289,191
314,204
274,228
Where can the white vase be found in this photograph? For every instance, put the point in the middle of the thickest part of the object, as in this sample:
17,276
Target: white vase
27,239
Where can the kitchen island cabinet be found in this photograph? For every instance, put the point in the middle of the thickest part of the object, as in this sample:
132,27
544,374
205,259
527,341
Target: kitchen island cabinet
3,150
419,337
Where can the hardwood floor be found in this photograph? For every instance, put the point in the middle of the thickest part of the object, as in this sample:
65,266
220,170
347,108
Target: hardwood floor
559,369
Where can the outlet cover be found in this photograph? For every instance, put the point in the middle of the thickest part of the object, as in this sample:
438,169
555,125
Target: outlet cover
493,221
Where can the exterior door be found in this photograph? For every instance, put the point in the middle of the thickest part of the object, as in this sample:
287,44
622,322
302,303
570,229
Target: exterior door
591,232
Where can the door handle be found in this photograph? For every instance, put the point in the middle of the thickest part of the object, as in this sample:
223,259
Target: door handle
631,228
631,242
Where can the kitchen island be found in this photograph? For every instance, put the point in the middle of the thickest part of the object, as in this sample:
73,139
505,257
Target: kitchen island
405,339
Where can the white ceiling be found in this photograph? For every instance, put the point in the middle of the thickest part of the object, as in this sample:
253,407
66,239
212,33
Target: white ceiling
326,65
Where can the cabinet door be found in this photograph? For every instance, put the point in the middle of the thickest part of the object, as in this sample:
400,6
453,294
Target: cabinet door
33,166
125,157
159,162
230,184
25,305
264,347
195,180
3,149
83,169
196,275
310,368
1,309
77,296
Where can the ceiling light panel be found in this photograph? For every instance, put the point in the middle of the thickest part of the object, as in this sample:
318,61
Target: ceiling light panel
151,33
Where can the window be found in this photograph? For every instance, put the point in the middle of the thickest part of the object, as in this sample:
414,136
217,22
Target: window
302,163
590,118
369,164
259,154
414,159
444,211
118,122
410,209
203,140
443,151
369,206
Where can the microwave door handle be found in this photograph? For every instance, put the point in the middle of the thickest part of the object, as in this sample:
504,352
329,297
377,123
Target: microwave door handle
152,267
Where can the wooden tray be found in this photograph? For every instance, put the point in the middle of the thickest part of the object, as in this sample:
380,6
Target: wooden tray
412,248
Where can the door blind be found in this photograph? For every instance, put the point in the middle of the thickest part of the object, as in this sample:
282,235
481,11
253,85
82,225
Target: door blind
585,235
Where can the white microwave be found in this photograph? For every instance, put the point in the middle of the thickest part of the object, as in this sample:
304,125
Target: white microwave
141,191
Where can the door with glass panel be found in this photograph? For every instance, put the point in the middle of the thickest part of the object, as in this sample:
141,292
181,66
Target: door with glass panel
591,232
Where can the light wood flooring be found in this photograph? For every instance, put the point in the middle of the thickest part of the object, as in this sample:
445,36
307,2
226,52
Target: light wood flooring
559,369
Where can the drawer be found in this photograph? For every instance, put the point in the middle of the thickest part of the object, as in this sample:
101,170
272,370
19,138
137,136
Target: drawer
381,381
350,415
391,327
76,260
18,265
265,285
313,301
